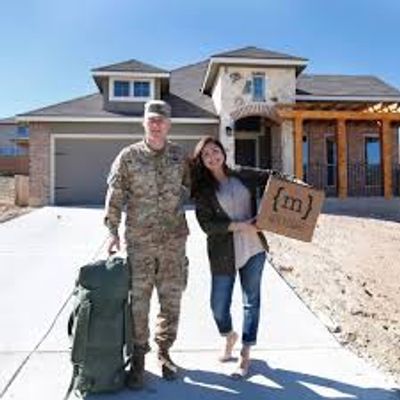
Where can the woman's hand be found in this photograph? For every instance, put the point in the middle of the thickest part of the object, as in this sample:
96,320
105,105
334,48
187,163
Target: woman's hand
244,226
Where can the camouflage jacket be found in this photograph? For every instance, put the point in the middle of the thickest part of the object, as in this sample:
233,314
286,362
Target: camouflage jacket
150,185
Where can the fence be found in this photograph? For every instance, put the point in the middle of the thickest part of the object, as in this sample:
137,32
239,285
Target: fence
363,180
11,165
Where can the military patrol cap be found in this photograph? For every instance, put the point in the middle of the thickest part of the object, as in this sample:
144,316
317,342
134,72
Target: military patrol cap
157,108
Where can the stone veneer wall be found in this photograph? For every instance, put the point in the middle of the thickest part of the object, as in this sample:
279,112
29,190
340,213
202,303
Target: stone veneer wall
232,91
39,168
287,146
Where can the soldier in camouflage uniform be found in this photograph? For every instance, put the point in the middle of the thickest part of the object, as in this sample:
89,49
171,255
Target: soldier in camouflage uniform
147,178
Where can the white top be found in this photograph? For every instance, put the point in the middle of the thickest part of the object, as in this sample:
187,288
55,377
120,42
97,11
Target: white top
235,199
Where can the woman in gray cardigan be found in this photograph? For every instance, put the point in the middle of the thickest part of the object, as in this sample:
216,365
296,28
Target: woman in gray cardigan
225,202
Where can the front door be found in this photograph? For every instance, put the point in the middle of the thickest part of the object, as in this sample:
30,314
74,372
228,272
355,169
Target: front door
246,152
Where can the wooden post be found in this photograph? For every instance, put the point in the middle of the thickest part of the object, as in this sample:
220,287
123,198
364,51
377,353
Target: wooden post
298,147
21,190
386,143
342,158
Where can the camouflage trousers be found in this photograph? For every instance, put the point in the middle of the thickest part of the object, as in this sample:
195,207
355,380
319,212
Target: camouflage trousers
162,266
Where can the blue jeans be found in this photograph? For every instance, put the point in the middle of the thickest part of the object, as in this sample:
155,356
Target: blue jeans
221,299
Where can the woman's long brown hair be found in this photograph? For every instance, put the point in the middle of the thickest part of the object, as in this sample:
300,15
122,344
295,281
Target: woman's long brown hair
202,180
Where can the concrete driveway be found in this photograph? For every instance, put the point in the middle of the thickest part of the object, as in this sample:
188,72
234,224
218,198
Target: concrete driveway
40,253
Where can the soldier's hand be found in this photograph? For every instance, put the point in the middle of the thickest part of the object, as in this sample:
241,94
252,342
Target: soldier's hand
114,244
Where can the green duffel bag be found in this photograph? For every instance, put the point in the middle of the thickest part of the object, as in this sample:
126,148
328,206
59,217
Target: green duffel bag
100,327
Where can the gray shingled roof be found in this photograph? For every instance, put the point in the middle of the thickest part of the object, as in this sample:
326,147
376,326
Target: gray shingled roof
185,98
86,106
344,85
186,82
186,101
255,52
130,66
8,121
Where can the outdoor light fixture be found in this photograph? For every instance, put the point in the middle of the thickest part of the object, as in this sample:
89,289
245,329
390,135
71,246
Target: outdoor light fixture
228,130
235,76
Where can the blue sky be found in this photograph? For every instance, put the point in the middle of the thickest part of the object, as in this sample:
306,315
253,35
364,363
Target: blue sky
49,46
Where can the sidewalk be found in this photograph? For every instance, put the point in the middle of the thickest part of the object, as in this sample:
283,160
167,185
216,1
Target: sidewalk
296,357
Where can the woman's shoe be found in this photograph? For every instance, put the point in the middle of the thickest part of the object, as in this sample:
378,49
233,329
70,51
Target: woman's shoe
231,339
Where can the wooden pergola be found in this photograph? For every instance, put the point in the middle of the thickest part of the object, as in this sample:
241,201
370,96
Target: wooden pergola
385,113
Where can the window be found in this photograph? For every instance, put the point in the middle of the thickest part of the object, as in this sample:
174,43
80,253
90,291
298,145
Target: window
372,160
13,151
131,90
305,158
331,161
121,88
22,131
258,87
141,89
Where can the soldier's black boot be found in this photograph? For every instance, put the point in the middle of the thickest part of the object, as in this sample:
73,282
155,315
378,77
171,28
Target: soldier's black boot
169,369
135,378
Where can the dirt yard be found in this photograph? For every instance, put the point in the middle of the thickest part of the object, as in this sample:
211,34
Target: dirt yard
349,276
9,211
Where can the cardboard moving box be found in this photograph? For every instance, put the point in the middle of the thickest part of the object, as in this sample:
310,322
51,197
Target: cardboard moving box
290,209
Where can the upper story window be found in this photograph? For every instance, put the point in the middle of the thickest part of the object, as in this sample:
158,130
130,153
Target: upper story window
131,90
259,87
121,88
141,89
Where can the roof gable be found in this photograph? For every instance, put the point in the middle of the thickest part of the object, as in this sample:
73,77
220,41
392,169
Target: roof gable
251,57
130,66
257,53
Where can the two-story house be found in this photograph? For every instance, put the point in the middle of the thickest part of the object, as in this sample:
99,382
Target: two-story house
337,132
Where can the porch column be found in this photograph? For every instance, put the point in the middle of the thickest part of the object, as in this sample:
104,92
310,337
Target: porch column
386,143
298,147
342,158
